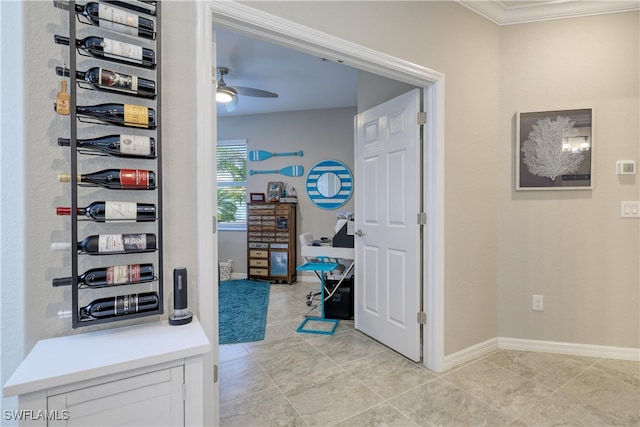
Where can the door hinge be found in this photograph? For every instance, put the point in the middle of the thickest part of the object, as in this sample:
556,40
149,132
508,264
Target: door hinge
422,318
422,218
215,224
215,374
422,118
184,392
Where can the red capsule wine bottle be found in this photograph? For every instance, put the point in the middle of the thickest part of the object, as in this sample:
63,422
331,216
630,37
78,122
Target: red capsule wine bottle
120,305
115,145
113,50
118,20
116,179
128,115
115,211
112,243
101,79
111,276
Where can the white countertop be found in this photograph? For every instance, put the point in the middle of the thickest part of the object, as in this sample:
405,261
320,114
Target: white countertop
64,360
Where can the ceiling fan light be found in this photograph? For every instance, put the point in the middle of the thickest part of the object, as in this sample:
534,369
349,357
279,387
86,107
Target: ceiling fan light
224,95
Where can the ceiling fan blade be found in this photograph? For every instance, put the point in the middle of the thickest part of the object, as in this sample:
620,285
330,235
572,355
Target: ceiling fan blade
258,93
231,105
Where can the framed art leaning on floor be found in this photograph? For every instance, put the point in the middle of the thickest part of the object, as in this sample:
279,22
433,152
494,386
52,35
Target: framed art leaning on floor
554,150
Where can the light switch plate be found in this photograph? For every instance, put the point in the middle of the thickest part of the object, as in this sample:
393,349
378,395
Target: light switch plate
630,209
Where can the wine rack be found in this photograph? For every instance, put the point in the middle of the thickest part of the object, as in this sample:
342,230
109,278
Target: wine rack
121,293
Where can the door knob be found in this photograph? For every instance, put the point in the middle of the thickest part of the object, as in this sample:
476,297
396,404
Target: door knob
359,233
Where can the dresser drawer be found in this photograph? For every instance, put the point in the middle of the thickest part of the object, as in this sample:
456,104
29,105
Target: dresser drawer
258,254
254,262
258,272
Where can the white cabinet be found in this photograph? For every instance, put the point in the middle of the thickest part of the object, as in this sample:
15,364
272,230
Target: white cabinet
154,398
146,375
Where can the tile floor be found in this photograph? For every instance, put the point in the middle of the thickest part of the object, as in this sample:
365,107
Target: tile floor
348,379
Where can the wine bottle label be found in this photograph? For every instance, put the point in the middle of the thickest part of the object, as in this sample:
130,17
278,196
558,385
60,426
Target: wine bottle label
116,49
135,145
136,116
124,304
134,178
120,274
118,20
120,211
117,81
108,243
63,100
134,242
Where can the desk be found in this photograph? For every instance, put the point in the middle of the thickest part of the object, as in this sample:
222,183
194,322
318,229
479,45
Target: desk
310,251
320,268
331,252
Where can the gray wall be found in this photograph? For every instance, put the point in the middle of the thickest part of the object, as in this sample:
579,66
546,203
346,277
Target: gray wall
572,247
502,246
29,302
320,134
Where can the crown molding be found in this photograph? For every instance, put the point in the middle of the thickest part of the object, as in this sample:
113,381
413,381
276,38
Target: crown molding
509,13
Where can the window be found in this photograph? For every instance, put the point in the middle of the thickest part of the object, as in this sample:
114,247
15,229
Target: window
232,184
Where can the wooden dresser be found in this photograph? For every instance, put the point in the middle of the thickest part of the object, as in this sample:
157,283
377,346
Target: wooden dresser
272,241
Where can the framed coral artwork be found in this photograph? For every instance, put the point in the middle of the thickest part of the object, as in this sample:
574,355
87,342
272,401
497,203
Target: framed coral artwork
554,150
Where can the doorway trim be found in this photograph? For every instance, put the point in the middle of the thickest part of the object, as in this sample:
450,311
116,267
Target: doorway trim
257,24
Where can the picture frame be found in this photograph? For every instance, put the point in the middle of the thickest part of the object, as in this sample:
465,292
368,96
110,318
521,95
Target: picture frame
554,150
257,197
274,190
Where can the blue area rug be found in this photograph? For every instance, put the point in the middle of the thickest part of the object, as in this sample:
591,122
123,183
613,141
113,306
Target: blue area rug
242,310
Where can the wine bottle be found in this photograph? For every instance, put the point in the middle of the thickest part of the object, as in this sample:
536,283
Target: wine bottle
118,115
111,18
120,305
113,50
110,276
115,211
134,7
101,79
112,243
116,179
115,145
63,100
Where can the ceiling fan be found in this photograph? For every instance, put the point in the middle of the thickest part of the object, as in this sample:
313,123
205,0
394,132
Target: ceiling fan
228,95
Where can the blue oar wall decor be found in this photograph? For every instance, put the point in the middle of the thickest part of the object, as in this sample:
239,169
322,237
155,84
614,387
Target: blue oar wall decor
295,170
258,155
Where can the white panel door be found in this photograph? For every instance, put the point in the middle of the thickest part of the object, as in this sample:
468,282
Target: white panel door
387,203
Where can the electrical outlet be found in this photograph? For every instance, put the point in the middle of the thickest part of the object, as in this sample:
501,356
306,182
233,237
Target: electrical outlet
537,303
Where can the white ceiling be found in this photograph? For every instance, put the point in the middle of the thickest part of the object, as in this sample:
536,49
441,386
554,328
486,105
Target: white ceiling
306,82
301,81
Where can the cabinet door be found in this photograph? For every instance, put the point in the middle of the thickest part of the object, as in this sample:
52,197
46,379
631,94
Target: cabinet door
279,263
153,399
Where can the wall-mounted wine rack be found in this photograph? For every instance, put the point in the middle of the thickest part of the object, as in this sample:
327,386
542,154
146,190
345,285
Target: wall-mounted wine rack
145,289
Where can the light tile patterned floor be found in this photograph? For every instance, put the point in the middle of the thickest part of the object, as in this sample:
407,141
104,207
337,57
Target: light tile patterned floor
348,379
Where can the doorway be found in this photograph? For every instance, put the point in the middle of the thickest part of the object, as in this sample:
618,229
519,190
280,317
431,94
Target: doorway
240,18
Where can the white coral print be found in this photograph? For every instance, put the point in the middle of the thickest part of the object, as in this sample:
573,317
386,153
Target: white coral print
543,152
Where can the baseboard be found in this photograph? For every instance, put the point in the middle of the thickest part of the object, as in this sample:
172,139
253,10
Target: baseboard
475,351
605,352
470,353
238,276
